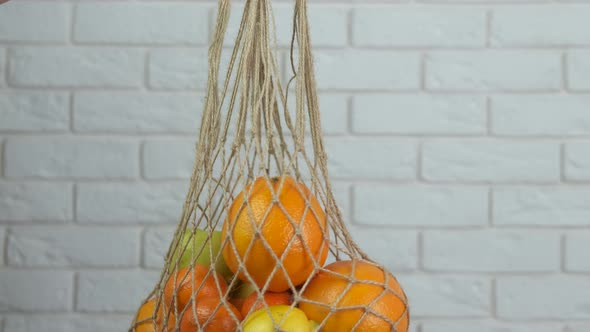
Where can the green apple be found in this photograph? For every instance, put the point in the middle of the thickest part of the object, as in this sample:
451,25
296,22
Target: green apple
191,245
243,289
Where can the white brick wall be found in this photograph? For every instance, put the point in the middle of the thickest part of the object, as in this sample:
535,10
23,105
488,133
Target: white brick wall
458,135
551,297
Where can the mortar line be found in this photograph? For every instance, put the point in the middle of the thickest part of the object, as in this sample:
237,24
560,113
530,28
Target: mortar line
562,162
7,231
564,74
420,162
72,116
142,160
142,261
423,87
493,298
351,208
563,253
350,115
3,144
564,69
7,54
489,26
361,181
146,70
75,288
491,206
5,64
357,135
489,117
420,249
75,202
72,22
414,91
350,27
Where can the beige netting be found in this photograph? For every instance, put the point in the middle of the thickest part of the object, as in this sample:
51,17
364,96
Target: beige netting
260,223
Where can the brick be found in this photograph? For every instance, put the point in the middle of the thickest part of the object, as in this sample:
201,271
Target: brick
333,109
81,67
418,114
577,248
577,161
380,70
341,193
528,26
542,206
417,205
130,203
67,323
488,326
42,291
328,25
578,70
493,70
97,289
396,250
22,202
73,246
491,251
577,327
490,160
150,23
131,112
156,244
447,296
179,69
375,158
45,22
156,152
550,297
550,115
34,111
67,157
387,26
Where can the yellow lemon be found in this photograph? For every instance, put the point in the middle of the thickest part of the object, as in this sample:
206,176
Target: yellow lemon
289,320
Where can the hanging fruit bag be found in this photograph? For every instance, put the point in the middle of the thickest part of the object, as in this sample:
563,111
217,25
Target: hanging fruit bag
261,245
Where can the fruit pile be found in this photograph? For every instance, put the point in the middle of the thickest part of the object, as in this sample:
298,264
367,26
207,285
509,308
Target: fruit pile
265,271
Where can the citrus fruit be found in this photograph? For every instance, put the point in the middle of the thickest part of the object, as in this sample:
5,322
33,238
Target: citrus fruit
188,280
145,318
326,288
211,316
286,318
256,206
198,246
270,298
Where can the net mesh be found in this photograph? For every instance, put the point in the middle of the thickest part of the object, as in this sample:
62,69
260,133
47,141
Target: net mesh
260,223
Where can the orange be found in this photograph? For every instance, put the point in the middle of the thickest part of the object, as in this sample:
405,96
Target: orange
216,319
237,302
327,287
255,206
188,280
145,318
270,298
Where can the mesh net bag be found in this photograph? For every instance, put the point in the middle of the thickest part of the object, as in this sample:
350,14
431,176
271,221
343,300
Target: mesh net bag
261,244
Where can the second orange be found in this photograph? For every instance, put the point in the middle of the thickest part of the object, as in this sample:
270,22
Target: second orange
277,207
